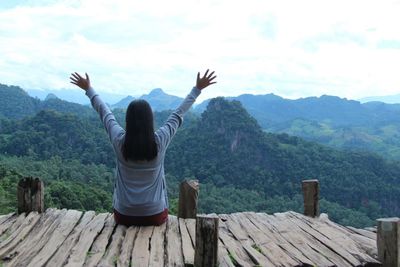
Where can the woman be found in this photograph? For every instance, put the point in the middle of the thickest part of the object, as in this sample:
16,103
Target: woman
140,196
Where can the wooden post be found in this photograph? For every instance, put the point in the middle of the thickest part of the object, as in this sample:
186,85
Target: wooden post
388,242
188,195
30,195
311,197
206,249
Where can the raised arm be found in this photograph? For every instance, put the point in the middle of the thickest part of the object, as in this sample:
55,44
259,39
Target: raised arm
168,130
107,117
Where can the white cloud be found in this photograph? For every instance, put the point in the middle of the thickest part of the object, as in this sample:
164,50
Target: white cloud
290,48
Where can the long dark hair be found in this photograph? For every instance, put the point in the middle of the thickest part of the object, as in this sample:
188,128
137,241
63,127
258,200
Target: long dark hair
140,143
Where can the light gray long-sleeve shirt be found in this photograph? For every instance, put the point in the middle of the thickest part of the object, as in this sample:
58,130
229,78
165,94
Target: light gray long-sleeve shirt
140,187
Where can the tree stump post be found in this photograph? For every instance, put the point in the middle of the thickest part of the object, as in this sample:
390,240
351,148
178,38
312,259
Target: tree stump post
311,197
388,242
206,249
188,195
30,195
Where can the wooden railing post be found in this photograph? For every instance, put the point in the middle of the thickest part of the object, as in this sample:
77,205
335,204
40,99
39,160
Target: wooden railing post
30,194
206,249
388,242
311,197
188,195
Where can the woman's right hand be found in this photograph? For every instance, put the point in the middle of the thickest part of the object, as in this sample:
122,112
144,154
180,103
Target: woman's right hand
78,80
205,81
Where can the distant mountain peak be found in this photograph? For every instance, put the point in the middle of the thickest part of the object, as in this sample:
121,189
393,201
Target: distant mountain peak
156,92
51,96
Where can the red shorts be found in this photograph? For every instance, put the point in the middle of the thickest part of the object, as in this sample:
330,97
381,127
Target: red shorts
156,219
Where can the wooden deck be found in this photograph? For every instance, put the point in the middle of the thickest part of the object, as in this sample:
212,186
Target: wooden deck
74,238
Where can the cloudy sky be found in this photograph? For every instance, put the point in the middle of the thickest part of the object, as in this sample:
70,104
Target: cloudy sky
290,48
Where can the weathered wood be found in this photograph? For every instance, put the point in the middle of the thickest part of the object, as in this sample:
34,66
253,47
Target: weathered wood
207,236
311,197
30,195
174,243
157,246
38,237
6,217
335,252
17,236
339,235
264,244
289,239
110,258
388,241
7,224
57,238
187,245
141,252
64,251
99,245
188,195
126,249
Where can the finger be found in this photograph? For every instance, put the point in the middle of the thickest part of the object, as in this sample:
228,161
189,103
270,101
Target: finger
212,78
79,76
198,76
75,76
73,79
212,83
205,74
211,74
74,83
87,77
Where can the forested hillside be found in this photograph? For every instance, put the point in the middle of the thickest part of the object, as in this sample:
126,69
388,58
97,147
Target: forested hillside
240,167
330,120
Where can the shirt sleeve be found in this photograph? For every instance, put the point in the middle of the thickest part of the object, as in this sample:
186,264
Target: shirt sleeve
111,125
168,130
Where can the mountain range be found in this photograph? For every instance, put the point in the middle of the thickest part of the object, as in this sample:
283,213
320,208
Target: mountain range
240,166
330,120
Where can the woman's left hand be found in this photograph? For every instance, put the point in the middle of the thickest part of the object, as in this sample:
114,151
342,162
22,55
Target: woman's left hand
78,80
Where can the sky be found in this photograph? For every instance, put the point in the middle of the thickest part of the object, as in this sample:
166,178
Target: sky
290,48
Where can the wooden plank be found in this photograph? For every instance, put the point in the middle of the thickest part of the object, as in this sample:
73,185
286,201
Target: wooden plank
273,254
64,251
11,226
191,227
157,251
174,243
36,239
16,237
288,237
100,244
223,256
110,258
141,248
187,245
339,235
57,237
336,253
126,250
6,217
235,249
363,232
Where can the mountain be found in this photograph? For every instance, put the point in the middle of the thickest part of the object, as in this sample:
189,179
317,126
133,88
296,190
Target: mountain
389,99
15,103
124,102
227,147
157,98
330,120
239,166
73,95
